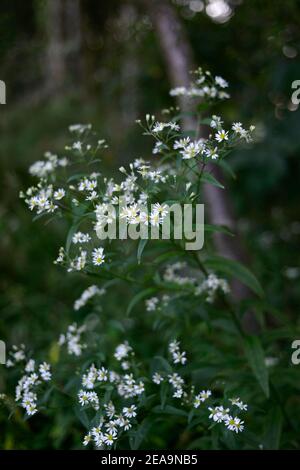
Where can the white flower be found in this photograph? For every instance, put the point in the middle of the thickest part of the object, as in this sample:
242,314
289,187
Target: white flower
174,346
87,439
191,150
161,209
218,414
155,219
237,402
125,365
238,127
221,82
157,378
30,365
44,370
98,256
204,395
214,413
182,143
221,135
158,127
91,185
111,427
86,295
216,122
80,128
178,393
234,424
80,237
92,196
124,423
122,351
109,438
157,147
73,339
31,409
59,194
83,397
94,400
212,153
79,262
178,91
175,380
129,412
102,375
77,145
110,409
201,397
179,357
86,398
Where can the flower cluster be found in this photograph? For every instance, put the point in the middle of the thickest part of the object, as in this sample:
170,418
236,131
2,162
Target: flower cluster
30,383
84,258
110,426
16,355
155,303
42,198
177,356
86,295
43,168
111,423
210,286
73,340
205,86
113,391
219,414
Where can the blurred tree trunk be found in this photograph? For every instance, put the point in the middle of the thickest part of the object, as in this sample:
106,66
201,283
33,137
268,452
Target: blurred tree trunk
177,54
73,46
129,68
55,57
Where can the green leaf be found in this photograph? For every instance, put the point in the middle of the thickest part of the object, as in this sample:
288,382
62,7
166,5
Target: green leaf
168,255
163,395
159,364
75,177
140,434
141,246
140,296
170,410
209,178
273,429
82,416
227,168
72,231
218,229
256,358
237,270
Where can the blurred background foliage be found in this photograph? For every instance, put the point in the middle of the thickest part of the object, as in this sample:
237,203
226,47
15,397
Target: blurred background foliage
70,61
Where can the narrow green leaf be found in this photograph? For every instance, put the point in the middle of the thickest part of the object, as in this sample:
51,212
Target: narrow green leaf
256,358
170,410
159,364
227,168
82,416
273,429
141,246
140,296
72,231
218,229
140,434
237,270
209,178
